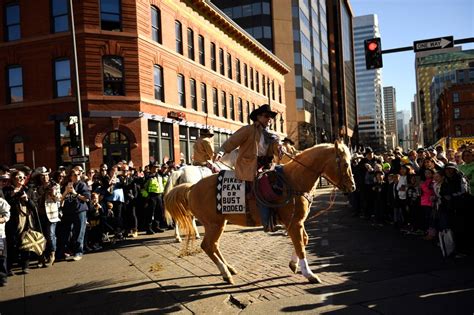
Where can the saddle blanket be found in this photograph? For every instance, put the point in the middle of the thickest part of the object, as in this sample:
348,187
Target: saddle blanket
230,196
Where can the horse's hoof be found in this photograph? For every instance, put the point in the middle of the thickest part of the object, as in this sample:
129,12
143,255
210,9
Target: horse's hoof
293,266
229,280
198,237
232,270
178,240
314,279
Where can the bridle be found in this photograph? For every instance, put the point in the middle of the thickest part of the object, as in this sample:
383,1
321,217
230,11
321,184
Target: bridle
332,197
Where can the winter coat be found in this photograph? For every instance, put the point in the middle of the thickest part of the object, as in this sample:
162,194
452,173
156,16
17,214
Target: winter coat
247,139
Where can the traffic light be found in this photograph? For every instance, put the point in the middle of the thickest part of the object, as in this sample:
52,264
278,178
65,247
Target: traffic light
373,53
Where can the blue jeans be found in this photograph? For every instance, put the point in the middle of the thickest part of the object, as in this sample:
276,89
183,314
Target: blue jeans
3,260
77,223
49,230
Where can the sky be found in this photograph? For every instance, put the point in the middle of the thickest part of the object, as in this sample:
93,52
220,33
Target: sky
402,22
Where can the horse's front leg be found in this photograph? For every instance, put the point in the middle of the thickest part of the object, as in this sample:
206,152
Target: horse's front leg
300,240
294,260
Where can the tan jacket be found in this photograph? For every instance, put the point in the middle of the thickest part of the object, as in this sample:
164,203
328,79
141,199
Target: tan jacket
246,138
203,150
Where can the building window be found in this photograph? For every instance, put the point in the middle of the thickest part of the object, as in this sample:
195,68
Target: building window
190,44
156,24
457,130
232,107
62,78
158,82
257,81
224,104
240,110
18,149
113,75
204,98
251,78
202,55
15,84
457,112
160,141
213,57
110,15
229,66
12,22
187,139
248,112
237,71
279,93
192,93
273,90
181,91
455,97
221,61
60,15
264,84
178,30
246,77
215,102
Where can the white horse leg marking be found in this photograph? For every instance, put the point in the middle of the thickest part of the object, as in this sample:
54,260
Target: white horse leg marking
176,233
198,236
307,273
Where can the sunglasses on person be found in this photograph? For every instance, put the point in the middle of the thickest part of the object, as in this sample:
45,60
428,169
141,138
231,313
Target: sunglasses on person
20,177
267,115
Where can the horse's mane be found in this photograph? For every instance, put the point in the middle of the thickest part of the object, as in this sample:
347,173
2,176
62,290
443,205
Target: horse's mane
311,152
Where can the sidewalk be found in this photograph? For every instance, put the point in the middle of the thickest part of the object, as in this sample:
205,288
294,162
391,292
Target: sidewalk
364,271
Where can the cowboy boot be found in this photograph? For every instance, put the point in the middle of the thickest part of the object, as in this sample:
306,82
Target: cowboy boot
42,261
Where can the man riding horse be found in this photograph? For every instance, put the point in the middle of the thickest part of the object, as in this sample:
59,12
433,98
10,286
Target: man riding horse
256,150
203,148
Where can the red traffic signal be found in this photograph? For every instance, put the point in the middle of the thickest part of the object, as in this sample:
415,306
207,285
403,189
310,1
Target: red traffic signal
372,46
373,53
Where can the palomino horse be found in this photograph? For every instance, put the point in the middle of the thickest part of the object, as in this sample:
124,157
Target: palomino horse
301,173
192,174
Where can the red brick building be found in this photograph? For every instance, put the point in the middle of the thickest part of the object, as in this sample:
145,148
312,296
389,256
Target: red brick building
152,74
456,107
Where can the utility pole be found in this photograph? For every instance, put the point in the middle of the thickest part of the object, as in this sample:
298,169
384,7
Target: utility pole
78,88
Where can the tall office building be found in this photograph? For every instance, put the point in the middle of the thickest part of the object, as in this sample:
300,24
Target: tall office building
427,65
320,89
369,86
390,110
403,129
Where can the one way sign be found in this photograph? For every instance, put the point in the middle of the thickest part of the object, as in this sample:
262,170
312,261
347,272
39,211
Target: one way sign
433,43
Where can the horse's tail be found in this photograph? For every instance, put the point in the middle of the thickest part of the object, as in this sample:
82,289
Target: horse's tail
172,180
177,208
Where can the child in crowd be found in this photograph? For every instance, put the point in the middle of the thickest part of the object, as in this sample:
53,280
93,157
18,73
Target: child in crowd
426,203
380,196
94,231
413,199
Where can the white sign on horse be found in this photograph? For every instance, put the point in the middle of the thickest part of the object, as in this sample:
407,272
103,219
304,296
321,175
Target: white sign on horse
230,193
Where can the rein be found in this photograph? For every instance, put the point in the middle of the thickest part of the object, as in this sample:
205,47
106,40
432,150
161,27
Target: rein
332,197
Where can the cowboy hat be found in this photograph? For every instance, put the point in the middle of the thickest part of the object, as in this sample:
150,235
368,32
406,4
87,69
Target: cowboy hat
265,108
206,132
289,141
41,171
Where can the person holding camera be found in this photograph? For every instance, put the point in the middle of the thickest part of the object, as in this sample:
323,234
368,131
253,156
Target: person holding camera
75,197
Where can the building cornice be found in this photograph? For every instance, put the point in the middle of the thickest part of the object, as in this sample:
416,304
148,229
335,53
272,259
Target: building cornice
225,23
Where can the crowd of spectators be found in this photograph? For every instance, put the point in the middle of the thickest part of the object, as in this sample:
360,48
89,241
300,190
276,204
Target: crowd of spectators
77,211
420,192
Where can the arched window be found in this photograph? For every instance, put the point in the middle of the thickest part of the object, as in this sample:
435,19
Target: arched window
156,24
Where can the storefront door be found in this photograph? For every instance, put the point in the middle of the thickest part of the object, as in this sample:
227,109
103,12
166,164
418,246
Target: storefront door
116,148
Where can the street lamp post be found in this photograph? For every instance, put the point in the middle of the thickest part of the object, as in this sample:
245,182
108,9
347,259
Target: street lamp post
78,89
